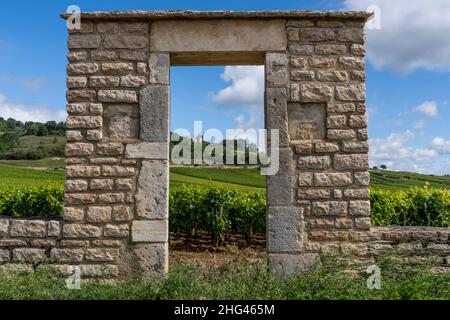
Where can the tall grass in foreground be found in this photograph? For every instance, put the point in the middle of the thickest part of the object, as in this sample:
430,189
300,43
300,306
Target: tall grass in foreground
239,281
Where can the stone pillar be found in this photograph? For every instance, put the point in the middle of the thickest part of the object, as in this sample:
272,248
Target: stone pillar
150,227
327,129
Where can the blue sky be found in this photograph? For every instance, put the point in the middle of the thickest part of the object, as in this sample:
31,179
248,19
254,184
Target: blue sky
408,74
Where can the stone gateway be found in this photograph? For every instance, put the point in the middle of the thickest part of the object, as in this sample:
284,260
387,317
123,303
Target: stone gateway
115,219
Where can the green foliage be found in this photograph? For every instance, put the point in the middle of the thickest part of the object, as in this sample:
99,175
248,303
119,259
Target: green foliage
244,281
216,211
21,203
418,206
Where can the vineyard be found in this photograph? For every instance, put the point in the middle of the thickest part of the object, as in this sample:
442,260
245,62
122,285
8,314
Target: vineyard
220,202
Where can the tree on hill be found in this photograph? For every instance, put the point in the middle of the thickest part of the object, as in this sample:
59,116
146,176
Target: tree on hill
383,166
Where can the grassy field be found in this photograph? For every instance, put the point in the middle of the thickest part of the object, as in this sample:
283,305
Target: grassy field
22,173
239,280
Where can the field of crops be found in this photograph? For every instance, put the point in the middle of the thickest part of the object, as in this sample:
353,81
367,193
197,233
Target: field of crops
27,173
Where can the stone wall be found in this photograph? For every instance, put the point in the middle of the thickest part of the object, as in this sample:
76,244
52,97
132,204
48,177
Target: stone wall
115,218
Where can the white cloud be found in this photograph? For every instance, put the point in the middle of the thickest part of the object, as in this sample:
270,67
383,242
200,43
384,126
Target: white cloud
414,34
35,85
428,108
441,145
397,155
24,112
246,86
419,124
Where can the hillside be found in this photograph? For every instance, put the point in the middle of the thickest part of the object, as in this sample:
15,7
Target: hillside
22,173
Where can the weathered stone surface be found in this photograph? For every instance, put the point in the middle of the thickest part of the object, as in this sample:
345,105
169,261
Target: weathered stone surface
117,96
311,92
152,258
103,55
341,134
360,193
84,41
334,121
332,76
337,49
362,223
357,121
355,146
124,184
284,229
27,228
280,190
133,55
291,264
117,230
351,162
111,197
276,113
80,95
276,72
125,42
53,229
352,92
350,35
326,147
297,62
321,223
357,49
43,243
332,179
82,68
82,171
102,255
314,162
98,214
75,56
94,135
117,171
343,223
107,27
102,184
152,187
82,122
134,27
305,179
313,194
121,213
66,255
4,256
220,35
359,208
154,111
76,185
28,255
362,178
355,63
147,150
110,148
74,135
79,149
341,107
117,67
321,62
73,214
302,75
81,231
79,198
10,243
76,82
150,231
159,68
316,34
132,81
4,226
104,81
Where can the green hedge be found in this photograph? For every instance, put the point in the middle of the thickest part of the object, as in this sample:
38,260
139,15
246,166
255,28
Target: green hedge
418,206
219,211
29,202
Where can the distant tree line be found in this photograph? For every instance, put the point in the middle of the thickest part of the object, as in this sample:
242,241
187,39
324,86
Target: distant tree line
12,130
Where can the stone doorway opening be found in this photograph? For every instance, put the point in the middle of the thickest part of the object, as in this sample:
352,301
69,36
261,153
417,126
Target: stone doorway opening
210,107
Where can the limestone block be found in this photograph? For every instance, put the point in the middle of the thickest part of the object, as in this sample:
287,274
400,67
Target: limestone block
98,214
152,190
150,231
351,162
28,228
276,113
147,150
154,111
4,226
351,92
82,171
332,179
84,41
152,258
117,96
284,229
276,70
117,230
218,35
81,231
359,208
53,229
73,214
122,41
28,255
79,198
102,254
66,255
159,68
83,122
83,68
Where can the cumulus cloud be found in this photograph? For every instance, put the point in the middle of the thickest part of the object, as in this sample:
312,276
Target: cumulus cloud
419,124
397,155
441,145
24,112
428,108
413,35
246,86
